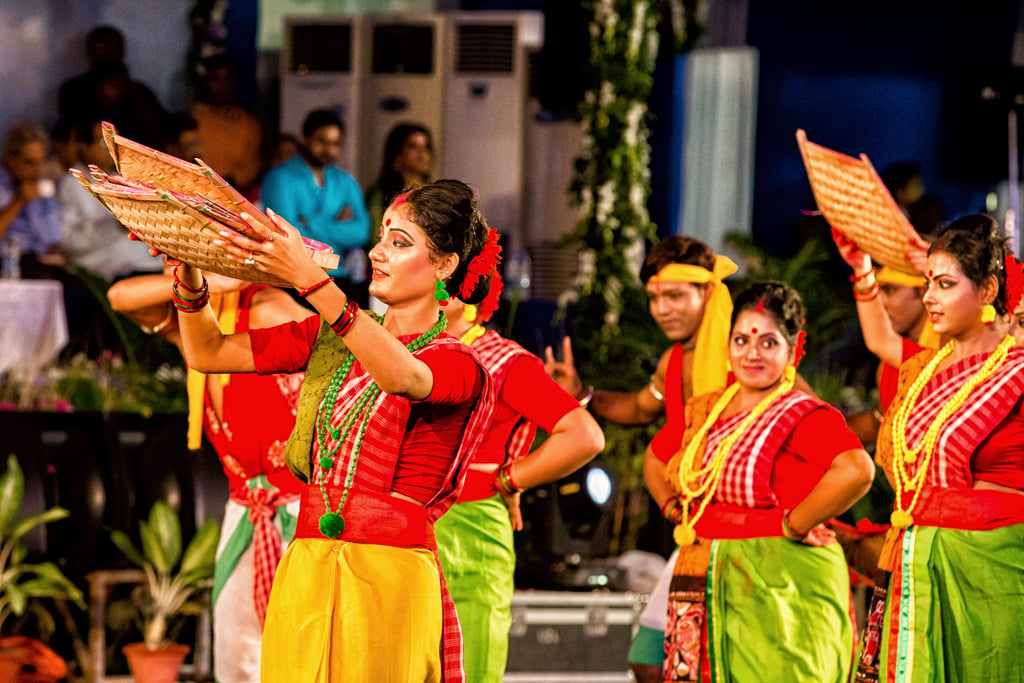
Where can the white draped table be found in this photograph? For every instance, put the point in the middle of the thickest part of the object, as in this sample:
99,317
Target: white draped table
33,324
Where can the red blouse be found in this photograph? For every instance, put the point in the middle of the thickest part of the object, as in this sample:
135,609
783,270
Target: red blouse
1000,458
435,425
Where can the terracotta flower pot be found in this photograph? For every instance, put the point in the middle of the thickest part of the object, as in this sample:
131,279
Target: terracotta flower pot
155,666
38,663
10,666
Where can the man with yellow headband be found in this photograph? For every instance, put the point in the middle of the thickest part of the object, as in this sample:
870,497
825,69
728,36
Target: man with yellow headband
690,302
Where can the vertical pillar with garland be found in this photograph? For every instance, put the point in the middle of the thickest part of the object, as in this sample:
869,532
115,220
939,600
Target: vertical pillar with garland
614,336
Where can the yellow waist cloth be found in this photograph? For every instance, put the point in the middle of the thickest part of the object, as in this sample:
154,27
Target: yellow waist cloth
344,612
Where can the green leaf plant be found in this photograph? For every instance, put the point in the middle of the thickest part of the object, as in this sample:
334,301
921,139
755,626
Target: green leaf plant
175,582
21,582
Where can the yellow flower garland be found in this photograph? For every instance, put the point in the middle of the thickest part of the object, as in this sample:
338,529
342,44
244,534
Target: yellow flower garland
903,454
696,481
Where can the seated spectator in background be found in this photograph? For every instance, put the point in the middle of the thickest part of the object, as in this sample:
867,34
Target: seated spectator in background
181,136
29,213
91,236
231,137
106,92
322,201
408,152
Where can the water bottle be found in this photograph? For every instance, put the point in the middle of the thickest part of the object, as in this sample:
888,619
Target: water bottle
11,258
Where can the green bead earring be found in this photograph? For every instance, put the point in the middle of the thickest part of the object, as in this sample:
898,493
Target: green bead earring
441,295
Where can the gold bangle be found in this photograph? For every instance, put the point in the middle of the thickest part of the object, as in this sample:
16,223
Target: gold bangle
654,391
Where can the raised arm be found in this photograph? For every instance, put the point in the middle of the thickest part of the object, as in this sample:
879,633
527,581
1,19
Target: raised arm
639,407
879,335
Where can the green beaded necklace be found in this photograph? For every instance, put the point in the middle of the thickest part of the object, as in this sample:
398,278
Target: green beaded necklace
332,523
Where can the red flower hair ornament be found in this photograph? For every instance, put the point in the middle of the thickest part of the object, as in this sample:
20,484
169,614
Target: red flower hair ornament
799,352
1014,282
484,264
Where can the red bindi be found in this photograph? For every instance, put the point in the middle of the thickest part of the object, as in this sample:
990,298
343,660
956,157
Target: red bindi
930,273
753,330
387,222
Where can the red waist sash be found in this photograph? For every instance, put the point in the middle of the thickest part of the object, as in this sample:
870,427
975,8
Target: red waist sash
732,521
370,517
969,509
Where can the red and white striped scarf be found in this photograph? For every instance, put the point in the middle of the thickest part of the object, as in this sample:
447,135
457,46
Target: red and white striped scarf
746,476
382,442
263,504
964,430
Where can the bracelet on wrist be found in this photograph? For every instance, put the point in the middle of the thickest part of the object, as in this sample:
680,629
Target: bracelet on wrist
181,284
868,273
654,391
163,323
504,482
306,291
186,305
587,397
347,318
788,531
672,509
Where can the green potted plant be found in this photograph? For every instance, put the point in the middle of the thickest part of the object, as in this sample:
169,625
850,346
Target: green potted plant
174,585
22,583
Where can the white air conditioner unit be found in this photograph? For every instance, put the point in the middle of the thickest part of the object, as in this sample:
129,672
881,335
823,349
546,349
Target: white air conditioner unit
321,68
485,109
404,83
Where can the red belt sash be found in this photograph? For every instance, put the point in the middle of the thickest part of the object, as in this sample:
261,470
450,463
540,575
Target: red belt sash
370,517
969,509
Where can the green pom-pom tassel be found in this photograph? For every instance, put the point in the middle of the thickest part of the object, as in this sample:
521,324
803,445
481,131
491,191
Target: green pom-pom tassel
332,524
326,463
335,434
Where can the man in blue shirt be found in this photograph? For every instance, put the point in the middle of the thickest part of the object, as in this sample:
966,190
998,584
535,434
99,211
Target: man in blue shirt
322,201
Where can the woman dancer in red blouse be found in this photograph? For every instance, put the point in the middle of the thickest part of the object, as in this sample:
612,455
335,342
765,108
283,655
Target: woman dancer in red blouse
390,413
475,536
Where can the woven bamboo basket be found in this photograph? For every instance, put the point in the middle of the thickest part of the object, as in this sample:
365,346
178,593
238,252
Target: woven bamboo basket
855,201
154,168
183,226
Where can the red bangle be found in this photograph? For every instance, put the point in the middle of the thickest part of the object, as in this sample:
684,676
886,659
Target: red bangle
855,278
346,319
182,285
303,293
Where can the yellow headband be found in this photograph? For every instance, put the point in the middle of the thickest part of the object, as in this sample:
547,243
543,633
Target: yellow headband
711,348
894,277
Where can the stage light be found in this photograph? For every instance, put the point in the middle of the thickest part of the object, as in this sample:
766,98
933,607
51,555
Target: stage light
567,531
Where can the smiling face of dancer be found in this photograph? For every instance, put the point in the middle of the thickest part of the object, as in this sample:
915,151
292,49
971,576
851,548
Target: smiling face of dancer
758,351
